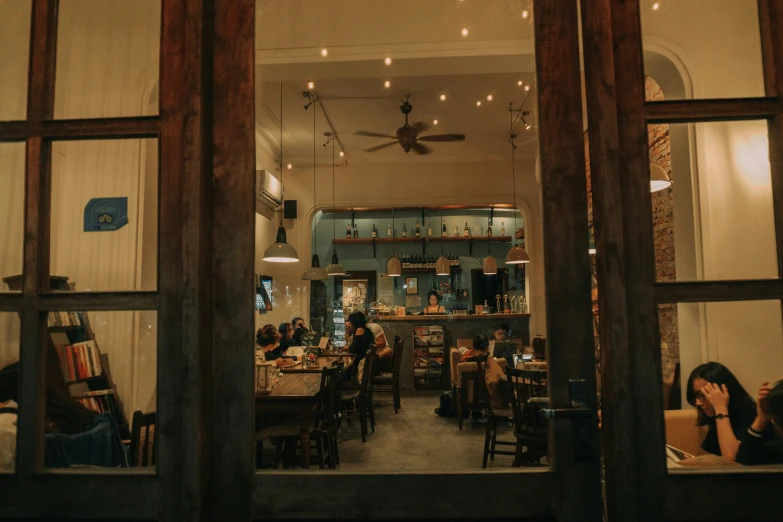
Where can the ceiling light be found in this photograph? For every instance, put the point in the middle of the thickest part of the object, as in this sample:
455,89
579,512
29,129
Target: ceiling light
465,31
478,103
489,97
527,126
490,266
517,255
324,52
342,154
393,267
311,85
659,179
387,61
290,166
442,267
315,272
442,97
527,87
520,83
525,14
656,6
280,251
434,122
335,268
387,84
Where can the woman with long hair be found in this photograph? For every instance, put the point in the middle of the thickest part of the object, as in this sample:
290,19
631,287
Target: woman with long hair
724,406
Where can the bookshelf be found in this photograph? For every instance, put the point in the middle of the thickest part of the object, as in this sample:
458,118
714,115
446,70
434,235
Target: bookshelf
84,368
428,357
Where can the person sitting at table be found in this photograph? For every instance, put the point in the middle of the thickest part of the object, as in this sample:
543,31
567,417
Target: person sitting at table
500,333
763,442
267,340
434,306
385,353
286,338
362,340
480,346
723,406
539,348
299,330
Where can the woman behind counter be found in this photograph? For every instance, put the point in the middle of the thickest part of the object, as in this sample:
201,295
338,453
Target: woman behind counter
434,306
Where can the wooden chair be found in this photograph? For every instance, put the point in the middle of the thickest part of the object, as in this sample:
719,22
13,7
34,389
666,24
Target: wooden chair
392,379
495,416
361,397
142,446
529,428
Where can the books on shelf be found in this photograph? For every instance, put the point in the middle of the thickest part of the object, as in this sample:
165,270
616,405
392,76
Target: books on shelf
99,401
61,318
79,360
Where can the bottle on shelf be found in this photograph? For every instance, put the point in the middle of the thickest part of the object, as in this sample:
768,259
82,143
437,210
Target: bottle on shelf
374,231
489,230
429,230
404,231
418,230
348,232
355,232
389,231
466,232
456,231
502,228
443,232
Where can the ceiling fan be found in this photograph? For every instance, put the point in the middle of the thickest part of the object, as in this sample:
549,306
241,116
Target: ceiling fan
408,135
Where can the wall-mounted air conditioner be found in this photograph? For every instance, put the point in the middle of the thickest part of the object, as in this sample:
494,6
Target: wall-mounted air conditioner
269,191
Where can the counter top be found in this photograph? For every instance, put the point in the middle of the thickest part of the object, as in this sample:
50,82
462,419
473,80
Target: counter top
446,317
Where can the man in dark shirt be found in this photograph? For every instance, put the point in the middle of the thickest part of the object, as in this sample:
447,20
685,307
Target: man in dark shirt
763,442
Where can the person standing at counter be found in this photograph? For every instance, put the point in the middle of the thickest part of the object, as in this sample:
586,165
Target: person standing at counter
434,306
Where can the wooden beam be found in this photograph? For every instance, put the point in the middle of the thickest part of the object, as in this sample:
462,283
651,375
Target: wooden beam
108,128
233,260
91,301
184,393
567,266
689,111
11,302
712,291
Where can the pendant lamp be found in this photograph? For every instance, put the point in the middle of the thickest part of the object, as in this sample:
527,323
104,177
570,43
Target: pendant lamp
393,265
517,255
659,179
442,266
280,251
315,272
334,268
490,265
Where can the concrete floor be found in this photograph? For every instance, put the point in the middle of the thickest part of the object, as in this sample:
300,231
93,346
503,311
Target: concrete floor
415,439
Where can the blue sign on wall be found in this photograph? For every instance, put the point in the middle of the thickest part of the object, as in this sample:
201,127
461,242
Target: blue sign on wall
105,214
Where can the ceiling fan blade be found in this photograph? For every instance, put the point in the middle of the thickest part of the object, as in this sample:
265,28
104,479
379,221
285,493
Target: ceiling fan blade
420,126
379,147
374,135
443,137
421,149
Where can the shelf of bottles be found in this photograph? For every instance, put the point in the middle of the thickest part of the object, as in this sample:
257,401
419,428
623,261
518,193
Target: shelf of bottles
418,234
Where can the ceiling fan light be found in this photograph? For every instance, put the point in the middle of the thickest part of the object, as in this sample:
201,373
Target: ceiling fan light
517,255
490,266
393,267
280,251
442,267
659,179
315,272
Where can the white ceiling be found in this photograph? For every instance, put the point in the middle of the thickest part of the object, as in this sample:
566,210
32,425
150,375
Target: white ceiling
430,58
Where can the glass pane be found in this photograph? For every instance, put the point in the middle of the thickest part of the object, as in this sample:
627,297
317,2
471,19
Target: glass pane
708,342
716,220
12,165
105,214
107,59
102,369
14,54
9,389
354,72
703,48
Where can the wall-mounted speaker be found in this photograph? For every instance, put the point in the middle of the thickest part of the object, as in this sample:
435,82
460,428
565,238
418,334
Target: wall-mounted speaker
289,209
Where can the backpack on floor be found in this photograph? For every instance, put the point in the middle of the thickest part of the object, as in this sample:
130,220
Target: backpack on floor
448,407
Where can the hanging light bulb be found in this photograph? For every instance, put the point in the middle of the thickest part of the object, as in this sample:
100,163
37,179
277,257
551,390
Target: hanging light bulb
315,272
517,255
393,265
334,268
442,265
490,266
280,251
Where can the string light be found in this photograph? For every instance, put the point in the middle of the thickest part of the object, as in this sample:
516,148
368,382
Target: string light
525,14
342,154
520,82
434,122
656,6
290,166
387,84
324,52
478,103
311,85
387,60
465,31
442,97
489,97
527,87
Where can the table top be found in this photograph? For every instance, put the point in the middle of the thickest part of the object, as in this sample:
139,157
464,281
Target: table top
295,386
324,361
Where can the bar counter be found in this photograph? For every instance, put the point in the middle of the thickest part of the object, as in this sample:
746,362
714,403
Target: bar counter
454,327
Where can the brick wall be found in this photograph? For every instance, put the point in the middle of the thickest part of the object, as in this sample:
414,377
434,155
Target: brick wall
663,227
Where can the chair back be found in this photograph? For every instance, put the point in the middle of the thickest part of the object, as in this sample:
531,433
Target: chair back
326,405
368,370
399,346
481,389
525,385
143,441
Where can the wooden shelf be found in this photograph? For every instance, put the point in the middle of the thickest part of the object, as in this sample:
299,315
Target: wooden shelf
454,270
369,240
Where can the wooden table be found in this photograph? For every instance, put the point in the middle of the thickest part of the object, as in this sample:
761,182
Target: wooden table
296,393
324,361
